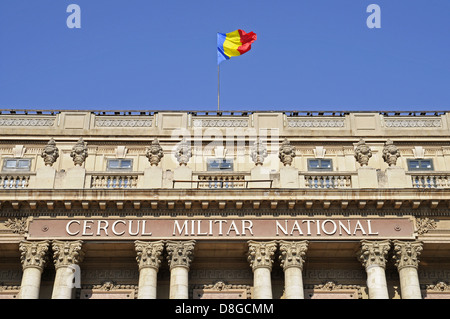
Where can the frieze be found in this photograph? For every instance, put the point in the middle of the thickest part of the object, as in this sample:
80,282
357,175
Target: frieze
219,123
123,123
313,123
26,122
412,123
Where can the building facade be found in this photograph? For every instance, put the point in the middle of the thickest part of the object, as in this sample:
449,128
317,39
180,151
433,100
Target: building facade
245,205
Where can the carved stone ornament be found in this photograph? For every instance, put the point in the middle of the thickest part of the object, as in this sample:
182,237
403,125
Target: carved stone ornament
180,253
292,253
439,286
66,253
260,254
50,153
390,153
154,153
258,152
362,153
33,254
374,253
149,254
183,152
79,152
18,226
424,225
286,153
406,254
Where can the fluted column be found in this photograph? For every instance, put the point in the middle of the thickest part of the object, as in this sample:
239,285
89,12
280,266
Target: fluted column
66,256
372,255
260,256
180,256
292,258
149,260
33,256
407,261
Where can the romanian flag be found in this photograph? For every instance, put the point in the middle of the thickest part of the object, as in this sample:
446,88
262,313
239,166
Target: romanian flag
233,44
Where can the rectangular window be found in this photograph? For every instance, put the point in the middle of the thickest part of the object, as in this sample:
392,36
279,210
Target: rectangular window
219,165
120,165
420,165
12,164
320,164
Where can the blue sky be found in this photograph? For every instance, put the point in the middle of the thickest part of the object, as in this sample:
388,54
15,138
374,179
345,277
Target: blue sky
161,55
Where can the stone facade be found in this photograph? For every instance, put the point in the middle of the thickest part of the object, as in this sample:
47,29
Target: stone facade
224,205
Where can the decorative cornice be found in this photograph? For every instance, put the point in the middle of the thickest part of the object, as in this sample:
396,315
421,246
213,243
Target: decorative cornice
406,254
149,253
33,254
292,253
260,254
18,226
373,253
180,253
66,253
424,225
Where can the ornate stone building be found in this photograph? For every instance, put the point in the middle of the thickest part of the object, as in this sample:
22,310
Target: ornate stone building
138,204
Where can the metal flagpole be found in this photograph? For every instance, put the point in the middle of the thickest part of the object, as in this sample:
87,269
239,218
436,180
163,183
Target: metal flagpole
218,88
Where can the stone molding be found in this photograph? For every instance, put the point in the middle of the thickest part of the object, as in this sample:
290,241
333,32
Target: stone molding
292,253
154,153
258,152
50,153
26,122
390,153
33,254
17,225
183,152
261,254
406,254
79,152
149,254
180,253
313,123
424,225
362,153
374,253
286,153
66,253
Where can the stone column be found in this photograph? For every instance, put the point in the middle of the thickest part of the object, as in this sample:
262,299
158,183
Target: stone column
180,256
260,256
291,258
33,256
149,260
372,255
66,256
406,256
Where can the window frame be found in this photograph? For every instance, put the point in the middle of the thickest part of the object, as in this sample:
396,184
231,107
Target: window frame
16,168
119,169
420,169
319,169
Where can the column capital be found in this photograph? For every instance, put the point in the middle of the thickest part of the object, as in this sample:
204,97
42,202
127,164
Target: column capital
149,253
406,253
373,253
180,253
33,254
67,253
292,253
260,254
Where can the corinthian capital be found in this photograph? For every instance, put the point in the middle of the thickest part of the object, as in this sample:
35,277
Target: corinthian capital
406,253
292,253
260,254
149,253
373,253
67,253
33,254
180,253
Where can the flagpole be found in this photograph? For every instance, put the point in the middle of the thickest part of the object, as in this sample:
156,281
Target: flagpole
218,87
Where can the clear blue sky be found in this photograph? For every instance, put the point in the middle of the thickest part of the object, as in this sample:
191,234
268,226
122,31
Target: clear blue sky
161,55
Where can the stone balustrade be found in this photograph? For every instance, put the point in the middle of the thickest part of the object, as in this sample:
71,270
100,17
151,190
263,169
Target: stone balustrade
14,181
430,179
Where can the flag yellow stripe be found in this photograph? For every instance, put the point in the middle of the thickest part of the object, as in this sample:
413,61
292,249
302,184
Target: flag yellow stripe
232,43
